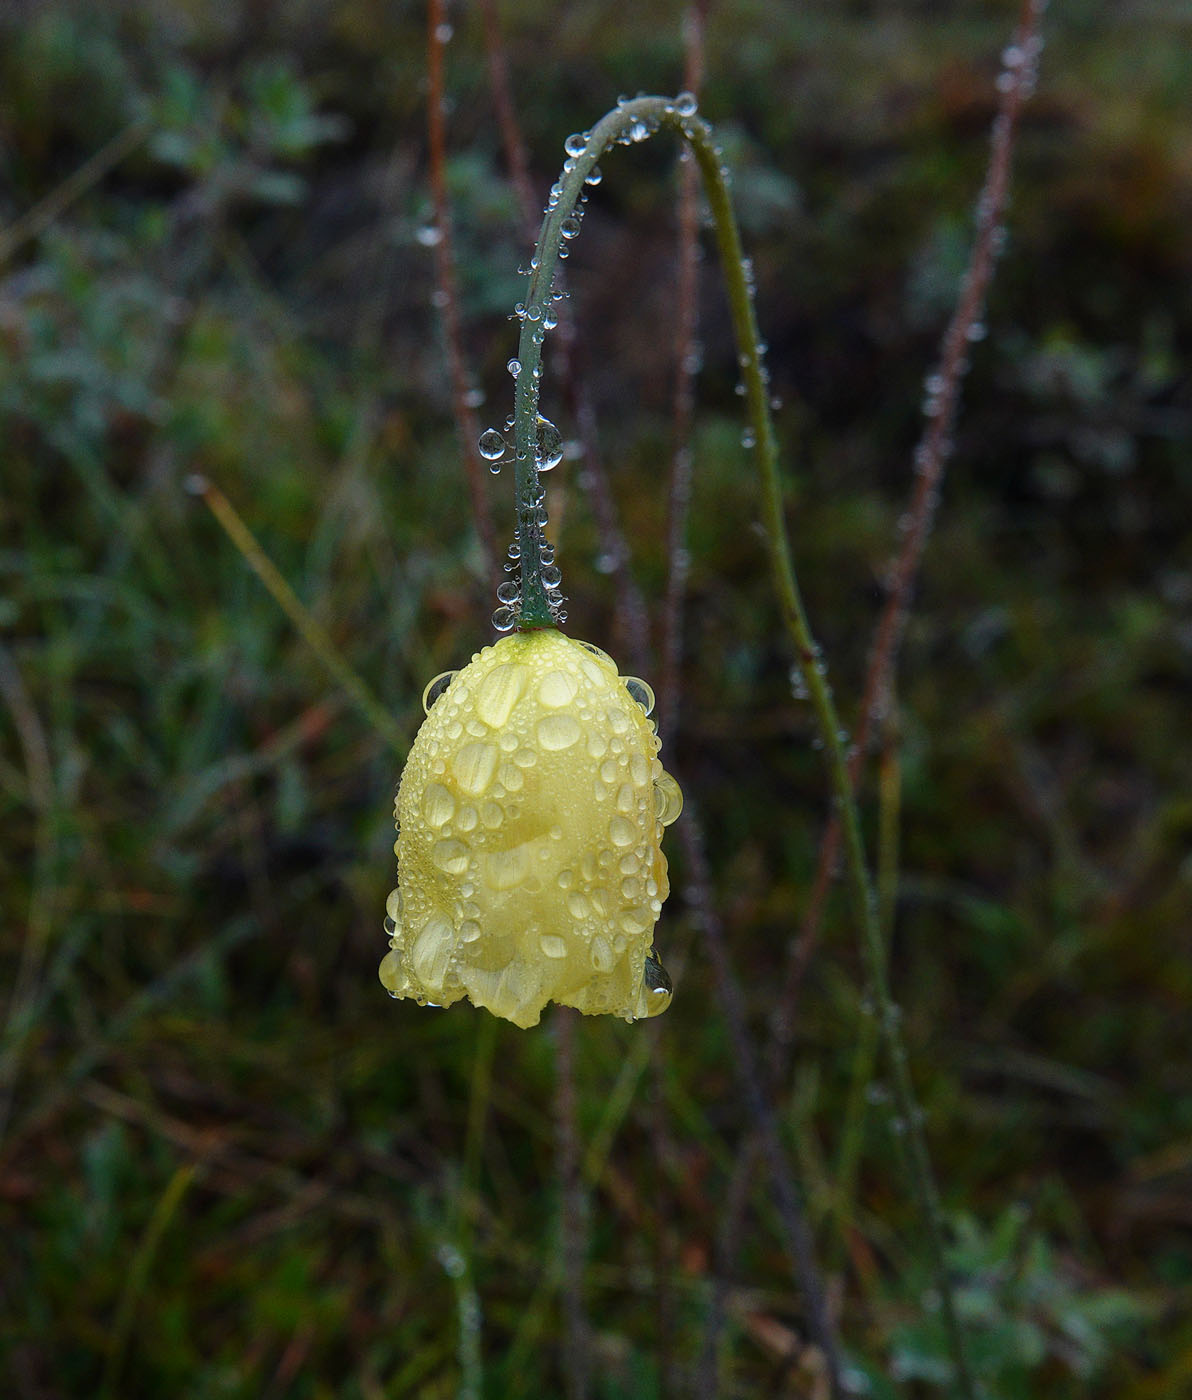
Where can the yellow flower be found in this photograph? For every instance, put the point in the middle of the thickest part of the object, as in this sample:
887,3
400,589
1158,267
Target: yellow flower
530,817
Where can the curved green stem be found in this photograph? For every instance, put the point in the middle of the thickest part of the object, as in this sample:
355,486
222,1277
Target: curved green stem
631,122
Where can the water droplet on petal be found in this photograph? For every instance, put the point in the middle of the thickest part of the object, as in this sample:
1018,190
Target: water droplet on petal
499,692
474,766
450,856
557,731
436,688
656,989
641,692
556,689
668,799
552,946
438,805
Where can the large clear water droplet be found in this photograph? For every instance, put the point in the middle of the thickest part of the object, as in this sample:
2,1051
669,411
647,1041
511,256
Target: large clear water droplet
514,367
492,445
656,989
594,176
504,619
549,446
641,692
508,592
575,145
569,228
436,688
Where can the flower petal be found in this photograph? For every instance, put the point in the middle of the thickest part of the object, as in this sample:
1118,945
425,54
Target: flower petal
530,818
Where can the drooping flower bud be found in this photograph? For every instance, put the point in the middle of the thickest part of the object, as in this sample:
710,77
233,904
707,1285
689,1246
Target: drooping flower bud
530,818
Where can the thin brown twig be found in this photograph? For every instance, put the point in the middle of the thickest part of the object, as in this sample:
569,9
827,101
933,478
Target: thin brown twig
573,1231
748,1069
466,421
678,504
1015,84
686,364
511,137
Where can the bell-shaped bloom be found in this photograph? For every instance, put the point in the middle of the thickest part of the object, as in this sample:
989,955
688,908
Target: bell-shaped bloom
530,818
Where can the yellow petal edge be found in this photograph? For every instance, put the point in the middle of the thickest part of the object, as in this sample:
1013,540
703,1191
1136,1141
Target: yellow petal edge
530,817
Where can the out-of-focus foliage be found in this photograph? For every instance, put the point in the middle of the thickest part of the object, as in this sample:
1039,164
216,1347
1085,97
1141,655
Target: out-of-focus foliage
195,839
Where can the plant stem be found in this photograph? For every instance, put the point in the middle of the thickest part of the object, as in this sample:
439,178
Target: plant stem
629,123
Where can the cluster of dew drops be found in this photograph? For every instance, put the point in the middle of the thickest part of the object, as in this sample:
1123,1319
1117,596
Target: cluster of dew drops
497,446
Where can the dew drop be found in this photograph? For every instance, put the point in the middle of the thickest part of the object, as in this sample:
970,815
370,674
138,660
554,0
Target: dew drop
429,236
551,576
474,766
499,692
556,689
514,367
492,445
601,954
557,731
569,228
508,592
575,145
450,856
438,805
594,176
549,445
552,946
393,905
504,619
436,688
668,799
657,987
685,104
621,832
577,905
641,692
392,974
432,952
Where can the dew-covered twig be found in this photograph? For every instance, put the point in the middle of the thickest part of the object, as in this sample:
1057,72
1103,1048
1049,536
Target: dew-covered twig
1015,83
466,422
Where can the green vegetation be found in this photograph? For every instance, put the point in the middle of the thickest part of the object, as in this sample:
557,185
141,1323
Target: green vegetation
229,1165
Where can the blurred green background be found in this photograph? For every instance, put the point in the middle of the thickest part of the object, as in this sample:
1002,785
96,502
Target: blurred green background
230,1166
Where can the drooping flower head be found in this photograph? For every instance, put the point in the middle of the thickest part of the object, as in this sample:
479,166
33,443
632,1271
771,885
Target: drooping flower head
530,818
